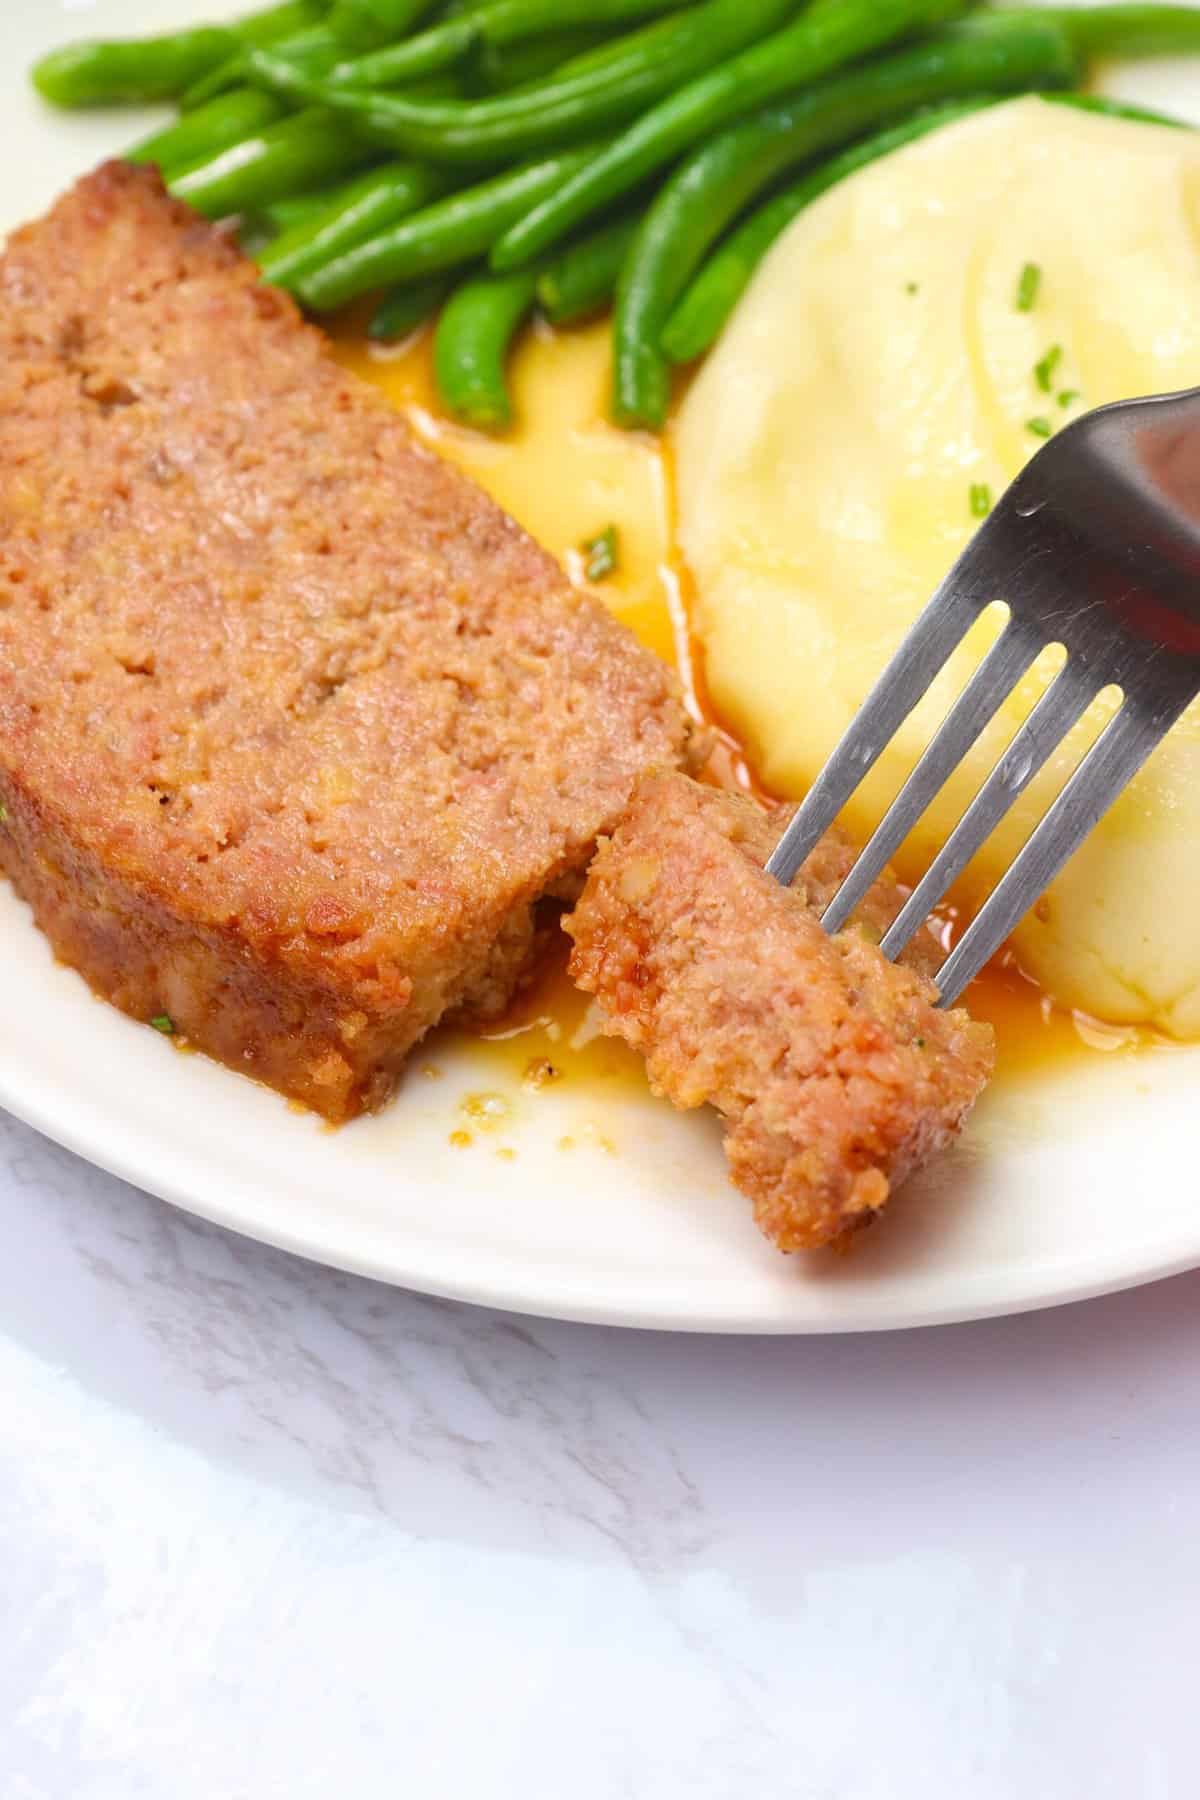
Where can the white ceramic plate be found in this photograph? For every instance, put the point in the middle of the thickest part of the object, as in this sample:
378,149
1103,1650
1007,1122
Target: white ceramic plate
1060,1190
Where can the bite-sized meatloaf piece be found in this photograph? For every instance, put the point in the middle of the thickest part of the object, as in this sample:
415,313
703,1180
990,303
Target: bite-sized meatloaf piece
834,1071
295,724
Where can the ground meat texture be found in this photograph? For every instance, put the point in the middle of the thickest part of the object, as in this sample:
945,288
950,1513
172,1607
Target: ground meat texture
834,1071
295,724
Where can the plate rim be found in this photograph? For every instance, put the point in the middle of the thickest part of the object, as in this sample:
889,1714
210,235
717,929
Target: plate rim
138,1167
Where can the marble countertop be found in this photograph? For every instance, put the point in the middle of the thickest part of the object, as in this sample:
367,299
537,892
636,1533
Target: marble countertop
269,1532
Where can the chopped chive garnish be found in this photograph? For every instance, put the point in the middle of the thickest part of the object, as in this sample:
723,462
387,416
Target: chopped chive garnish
920,1043
981,499
1044,370
1039,427
1068,397
3,814
601,554
165,1023
1028,283
912,287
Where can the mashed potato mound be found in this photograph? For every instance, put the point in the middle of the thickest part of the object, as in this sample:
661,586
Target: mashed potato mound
877,383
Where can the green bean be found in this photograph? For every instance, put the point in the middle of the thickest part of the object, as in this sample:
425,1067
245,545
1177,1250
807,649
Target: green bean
637,70
1103,31
714,184
367,206
583,277
294,74
222,78
404,308
824,37
291,210
353,25
348,28
224,121
500,22
1118,109
449,84
362,24
471,345
299,78
659,38
112,71
450,232
294,68
276,22
304,151
442,47
700,315
309,53
501,67
275,217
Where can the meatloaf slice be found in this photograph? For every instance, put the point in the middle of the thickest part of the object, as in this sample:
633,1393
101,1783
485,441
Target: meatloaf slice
295,724
834,1071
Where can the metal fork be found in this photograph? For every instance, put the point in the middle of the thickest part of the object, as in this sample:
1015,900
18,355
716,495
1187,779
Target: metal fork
1096,547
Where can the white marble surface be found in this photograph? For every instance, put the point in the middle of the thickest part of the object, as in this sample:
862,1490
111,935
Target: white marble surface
268,1532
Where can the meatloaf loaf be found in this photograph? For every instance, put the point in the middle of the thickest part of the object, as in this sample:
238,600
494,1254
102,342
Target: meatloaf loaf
295,724
833,1069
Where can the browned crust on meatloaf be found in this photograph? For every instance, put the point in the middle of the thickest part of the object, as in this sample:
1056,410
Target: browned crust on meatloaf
834,1071
295,724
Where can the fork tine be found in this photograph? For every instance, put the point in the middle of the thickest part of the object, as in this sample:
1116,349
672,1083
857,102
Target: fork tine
1059,708
1108,767
943,625
999,672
